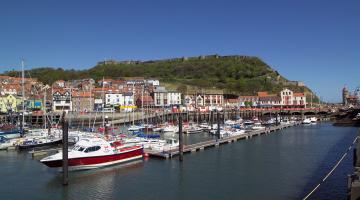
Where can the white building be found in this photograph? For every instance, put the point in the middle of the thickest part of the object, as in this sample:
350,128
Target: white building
286,97
114,99
128,99
164,98
299,99
201,100
291,99
62,101
125,99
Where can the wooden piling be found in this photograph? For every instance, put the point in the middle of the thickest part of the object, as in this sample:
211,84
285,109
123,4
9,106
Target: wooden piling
65,164
218,124
181,146
211,119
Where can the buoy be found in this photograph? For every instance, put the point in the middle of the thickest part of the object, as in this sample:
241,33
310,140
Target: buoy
146,155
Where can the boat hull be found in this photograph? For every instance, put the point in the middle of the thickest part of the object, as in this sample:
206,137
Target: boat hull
30,146
83,163
10,134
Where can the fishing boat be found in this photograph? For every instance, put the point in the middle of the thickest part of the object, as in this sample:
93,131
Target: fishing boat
91,153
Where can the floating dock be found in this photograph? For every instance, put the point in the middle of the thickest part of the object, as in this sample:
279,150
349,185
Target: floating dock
216,142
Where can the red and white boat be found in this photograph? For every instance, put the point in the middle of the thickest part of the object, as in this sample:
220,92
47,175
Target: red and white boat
90,153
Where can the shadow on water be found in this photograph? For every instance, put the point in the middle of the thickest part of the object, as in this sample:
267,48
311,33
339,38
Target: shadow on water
327,189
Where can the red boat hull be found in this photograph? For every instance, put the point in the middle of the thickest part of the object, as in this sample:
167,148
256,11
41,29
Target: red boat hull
98,161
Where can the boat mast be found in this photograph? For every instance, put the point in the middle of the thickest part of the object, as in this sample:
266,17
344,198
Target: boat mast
103,114
23,93
142,104
133,94
90,104
45,123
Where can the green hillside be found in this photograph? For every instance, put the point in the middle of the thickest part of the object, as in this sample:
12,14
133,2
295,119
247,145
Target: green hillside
233,74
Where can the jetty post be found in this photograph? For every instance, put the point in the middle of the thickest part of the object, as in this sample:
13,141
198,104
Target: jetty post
65,164
106,128
211,119
181,146
218,124
21,124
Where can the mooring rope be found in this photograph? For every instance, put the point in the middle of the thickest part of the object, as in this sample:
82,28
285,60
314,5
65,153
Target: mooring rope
331,171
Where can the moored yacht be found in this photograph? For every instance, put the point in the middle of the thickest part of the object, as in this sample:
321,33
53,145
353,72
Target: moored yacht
40,142
169,145
5,143
90,153
313,119
257,126
307,121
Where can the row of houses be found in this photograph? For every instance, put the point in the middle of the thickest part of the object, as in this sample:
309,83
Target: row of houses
85,101
285,99
87,95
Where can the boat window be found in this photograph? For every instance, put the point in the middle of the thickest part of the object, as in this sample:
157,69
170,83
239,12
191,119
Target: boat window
91,149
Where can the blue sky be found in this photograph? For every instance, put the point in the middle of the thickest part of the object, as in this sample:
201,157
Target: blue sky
317,42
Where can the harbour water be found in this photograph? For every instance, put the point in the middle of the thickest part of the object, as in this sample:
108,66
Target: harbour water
282,165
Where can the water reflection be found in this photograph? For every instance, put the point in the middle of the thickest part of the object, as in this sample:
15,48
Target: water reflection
96,184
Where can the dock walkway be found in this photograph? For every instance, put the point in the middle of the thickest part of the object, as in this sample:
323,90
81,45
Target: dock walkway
216,142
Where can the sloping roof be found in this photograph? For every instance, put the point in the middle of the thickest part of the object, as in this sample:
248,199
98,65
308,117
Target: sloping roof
232,100
127,94
160,89
12,86
262,94
299,94
248,97
270,98
81,94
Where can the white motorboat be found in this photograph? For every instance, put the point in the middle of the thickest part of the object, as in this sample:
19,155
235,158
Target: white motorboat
313,120
169,145
141,141
135,128
257,126
307,121
171,128
191,129
5,143
248,123
235,132
90,153
230,122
